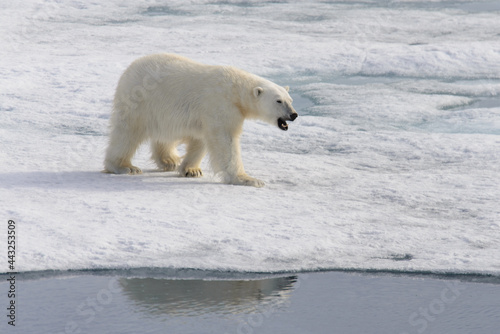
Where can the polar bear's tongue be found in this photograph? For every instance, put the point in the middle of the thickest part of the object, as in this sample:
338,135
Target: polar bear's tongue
282,124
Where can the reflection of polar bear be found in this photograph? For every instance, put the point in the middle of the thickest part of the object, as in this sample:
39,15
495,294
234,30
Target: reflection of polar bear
197,296
170,99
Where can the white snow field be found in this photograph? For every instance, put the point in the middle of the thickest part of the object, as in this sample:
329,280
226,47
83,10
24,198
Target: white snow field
393,163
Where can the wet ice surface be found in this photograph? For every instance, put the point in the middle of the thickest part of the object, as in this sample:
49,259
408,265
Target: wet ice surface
188,302
393,163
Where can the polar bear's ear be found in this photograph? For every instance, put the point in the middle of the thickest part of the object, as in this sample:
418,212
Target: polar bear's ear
257,91
287,88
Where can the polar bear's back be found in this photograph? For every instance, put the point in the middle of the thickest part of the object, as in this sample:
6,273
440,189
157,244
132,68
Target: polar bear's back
166,72
167,92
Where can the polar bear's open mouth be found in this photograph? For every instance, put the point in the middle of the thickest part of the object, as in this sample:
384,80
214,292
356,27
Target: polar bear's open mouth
282,124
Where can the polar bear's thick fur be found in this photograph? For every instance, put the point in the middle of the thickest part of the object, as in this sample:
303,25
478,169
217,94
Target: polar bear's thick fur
170,99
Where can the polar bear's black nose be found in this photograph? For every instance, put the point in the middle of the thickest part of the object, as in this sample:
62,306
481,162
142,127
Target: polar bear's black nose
293,116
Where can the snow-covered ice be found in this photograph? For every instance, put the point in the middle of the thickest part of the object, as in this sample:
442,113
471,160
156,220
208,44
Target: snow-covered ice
393,164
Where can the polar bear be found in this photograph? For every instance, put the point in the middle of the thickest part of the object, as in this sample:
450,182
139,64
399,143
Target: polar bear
170,99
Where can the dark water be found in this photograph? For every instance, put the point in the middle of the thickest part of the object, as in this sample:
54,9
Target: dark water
210,302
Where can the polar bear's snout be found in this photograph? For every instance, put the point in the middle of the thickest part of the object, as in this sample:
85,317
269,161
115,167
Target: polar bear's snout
292,115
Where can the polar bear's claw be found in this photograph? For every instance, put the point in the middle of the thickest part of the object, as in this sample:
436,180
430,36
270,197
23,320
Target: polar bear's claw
193,172
134,170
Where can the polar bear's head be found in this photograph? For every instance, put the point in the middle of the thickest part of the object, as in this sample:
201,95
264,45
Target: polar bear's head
274,104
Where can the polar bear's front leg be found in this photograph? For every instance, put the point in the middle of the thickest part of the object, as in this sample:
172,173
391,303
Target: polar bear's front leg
195,152
225,156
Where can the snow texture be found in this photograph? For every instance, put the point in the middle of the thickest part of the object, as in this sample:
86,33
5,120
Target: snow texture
393,163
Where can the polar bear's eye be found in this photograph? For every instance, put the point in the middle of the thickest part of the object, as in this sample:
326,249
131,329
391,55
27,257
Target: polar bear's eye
279,101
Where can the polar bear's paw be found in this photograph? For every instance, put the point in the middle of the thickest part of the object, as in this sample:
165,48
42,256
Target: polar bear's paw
135,170
245,180
192,172
169,164
132,170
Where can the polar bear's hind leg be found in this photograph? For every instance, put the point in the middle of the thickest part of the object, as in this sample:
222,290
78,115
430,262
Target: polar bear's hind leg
120,151
165,155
